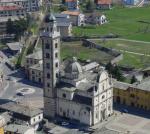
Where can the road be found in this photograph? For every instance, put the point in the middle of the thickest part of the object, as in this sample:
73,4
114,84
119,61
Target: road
16,80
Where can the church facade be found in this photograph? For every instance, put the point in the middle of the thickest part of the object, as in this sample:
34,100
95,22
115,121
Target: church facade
71,90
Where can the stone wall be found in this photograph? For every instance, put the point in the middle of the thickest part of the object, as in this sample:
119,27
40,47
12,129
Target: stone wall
117,55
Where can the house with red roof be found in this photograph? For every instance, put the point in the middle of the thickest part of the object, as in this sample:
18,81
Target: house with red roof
76,17
29,5
104,4
11,10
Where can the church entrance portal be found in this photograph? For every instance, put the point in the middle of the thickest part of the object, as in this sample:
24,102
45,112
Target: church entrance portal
103,114
118,99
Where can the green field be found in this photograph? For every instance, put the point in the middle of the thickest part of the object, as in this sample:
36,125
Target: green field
70,49
127,45
123,22
135,61
132,60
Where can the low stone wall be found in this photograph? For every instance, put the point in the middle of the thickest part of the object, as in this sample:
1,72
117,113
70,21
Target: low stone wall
117,55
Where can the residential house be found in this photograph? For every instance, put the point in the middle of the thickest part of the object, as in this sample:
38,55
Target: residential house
135,95
132,2
96,18
23,115
12,10
36,73
103,4
72,4
76,17
64,25
28,5
19,129
32,59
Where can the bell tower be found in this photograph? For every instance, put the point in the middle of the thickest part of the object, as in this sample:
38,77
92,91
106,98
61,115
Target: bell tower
51,60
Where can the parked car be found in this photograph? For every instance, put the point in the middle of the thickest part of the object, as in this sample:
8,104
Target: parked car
125,111
20,94
65,123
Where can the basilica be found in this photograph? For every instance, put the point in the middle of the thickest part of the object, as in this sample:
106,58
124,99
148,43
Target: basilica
82,93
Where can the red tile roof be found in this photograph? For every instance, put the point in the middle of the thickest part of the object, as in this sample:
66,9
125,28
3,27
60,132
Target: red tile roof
9,8
73,13
104,2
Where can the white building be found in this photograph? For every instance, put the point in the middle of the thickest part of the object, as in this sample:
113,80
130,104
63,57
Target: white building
24,115
72,91
28,5
12,10
64,24
76,17
36,73
31,60
96,18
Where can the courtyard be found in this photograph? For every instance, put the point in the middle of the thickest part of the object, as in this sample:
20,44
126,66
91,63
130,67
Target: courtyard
129,123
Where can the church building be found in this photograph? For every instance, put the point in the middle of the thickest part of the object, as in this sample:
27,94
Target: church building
71,90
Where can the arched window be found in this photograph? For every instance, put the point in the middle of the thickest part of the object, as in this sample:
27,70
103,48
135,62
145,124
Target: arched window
47,46
56,45
48,75
47,55
103,86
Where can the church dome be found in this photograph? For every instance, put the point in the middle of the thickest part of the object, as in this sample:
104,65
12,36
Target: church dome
73,67
50,18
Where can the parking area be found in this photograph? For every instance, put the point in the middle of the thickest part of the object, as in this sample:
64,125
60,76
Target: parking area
128,123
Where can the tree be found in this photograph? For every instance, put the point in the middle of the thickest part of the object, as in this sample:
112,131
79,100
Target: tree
9,27
118,74
17,27
109,67
133,79
115,71
62,8
90,6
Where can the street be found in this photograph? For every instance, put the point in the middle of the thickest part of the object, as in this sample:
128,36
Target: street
14,82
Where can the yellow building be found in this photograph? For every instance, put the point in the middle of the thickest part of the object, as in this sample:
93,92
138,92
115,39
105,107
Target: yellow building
135,95
2,123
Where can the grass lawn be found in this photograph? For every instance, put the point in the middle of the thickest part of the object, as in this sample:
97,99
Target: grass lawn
76,49
70,49
123,22
138,47
133,60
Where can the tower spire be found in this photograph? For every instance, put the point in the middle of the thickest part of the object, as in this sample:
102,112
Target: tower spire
51,61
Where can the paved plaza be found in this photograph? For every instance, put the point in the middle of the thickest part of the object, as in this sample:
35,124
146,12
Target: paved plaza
128,123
